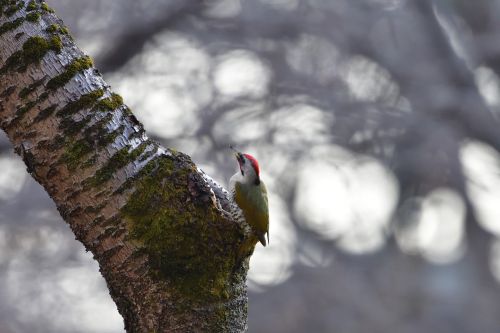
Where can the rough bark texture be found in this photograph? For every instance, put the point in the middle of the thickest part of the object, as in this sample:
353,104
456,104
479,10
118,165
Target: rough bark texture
155,223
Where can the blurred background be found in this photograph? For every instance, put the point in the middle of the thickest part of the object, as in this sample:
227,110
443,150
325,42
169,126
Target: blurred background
376,126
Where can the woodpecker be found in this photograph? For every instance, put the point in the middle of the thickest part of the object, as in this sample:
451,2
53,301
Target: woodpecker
250,194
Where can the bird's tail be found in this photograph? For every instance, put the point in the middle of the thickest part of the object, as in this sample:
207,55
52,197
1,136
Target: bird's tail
262,239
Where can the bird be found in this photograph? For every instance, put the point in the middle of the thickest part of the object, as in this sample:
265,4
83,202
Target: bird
249,192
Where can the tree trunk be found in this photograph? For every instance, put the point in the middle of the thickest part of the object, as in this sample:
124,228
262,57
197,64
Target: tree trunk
156,224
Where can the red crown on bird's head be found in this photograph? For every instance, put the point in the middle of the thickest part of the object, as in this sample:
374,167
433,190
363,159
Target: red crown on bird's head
241,160
254,163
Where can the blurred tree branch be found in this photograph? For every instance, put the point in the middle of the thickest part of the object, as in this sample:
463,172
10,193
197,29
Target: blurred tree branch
132,42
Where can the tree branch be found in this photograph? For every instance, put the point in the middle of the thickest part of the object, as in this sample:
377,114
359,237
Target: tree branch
155,223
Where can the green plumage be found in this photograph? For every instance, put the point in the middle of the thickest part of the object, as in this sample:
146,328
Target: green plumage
252,199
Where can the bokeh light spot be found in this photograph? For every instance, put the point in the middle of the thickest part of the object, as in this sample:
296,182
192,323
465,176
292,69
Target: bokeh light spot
223,8
441,228
488,84
241,74
482,169
347,198
168,84
272,265
12,177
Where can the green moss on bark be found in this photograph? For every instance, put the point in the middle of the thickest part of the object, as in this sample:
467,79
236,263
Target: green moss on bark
65,31
56,43
120,159
182,234
53,28
33,51
70,71
31,6
8,26
57,29
46,8
33,17
84,102
111,103
75,153
11,7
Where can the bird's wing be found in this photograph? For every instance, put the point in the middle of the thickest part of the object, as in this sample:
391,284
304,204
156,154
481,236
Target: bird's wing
253,202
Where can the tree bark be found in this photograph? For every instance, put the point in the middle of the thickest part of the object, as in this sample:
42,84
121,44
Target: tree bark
156,224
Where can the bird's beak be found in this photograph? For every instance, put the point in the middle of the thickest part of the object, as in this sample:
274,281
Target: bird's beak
238,155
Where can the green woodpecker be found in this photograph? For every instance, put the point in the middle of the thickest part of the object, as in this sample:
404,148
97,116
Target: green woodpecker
250,194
